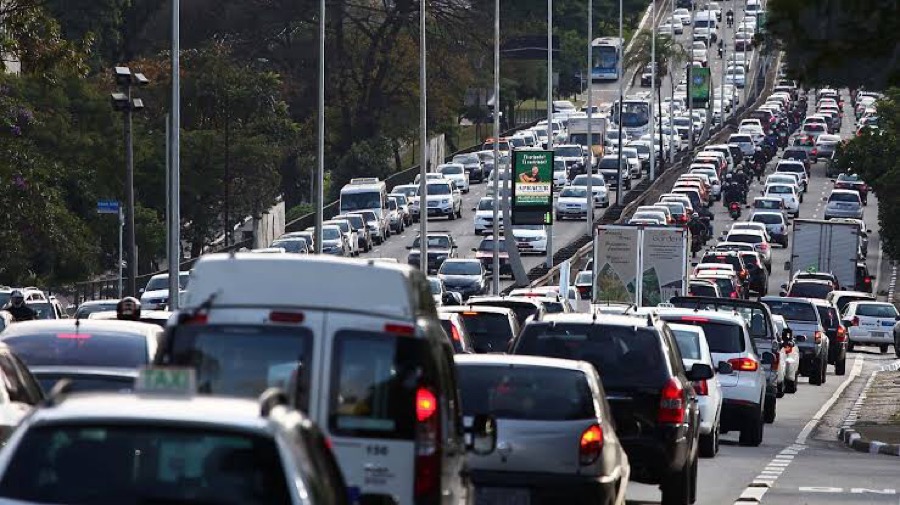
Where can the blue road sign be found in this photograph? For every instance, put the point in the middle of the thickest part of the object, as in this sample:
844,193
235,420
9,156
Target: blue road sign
107,207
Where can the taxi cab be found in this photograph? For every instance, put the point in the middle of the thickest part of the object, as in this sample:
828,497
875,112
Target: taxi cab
165,444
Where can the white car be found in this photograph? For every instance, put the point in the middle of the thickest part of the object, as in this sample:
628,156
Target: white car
691,341
744,390
683,16
744,141
759,239
775,223
794,167
155,295
715,185
630,154
531,238
484,216
572,202
455,172
870,323
788,194
560,174
598,187
786,178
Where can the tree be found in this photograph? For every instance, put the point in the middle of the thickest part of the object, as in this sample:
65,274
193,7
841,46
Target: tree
841,43
875,156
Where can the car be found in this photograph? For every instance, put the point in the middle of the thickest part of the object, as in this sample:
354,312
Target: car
234,450
351,238
334,242
776,225
683,16
631,156
736,76
295,245
612,171
90,306
364,234
788,194
870,323
444,199
379,228
694,348
573,157
490,328
442,296
703,287
837,335
845,203
572,203
826,145
530,238
408,190
794,167
483,219
649,217
818,276
807,288
768,203
396,215
799,152
93,354
651,396
790,353
853,182
485,253
598,187
556,437
456,332
732,258
791,179
561,173
20,391
441,246
758,239
155,295
464,276
803,319
473,165
526,308
666,212
841,298
455,172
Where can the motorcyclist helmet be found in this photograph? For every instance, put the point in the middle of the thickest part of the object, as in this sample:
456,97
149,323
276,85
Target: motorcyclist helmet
695,215
17,298
128,309
727,177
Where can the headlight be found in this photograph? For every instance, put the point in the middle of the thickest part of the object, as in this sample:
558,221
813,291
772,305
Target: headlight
445,201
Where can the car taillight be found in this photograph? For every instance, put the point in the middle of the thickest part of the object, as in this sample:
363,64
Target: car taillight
788,349
197,319
817,336
763,247
733,294
428,435
744,364
743,274
855,321
701,387
454,333
813,152
591,445
671,403
867,280
841,334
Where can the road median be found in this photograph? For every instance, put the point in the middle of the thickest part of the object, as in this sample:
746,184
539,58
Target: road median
873,425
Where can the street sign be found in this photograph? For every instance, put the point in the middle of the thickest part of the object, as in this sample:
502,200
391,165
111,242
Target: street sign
107,207
532,187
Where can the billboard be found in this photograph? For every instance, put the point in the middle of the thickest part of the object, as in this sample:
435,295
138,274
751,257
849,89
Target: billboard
700,84
664,261
615,264
532,191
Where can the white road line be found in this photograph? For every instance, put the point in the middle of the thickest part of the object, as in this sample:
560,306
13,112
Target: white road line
811,425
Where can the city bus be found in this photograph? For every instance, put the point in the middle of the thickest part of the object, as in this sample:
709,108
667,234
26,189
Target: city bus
636,117
606,55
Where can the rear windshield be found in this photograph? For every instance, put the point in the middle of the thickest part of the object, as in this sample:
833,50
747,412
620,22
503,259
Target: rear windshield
244,360
85,310
726,259
876,310
767,218
523,310
793,311
842,301
702,289
794,154
725,338
767,204
740,139
844,197
81,383
488,331
144,464
86,349
745,238
532,393
828,316
452,335
810,290
625,357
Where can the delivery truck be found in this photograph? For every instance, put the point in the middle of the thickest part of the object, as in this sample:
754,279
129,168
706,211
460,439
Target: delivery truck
825,246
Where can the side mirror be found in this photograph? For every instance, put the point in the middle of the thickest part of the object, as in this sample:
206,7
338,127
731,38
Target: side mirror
824,198
409,247
484,435
141,291
768,358
699,372
782,293
474,209
725,368
784,286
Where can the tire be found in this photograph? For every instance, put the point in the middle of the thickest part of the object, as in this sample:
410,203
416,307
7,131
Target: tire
815,375
823,366
896,349
452,215
883,348
840,367
752,433
676,487
769,410
779,391
709,444
850,347
790,386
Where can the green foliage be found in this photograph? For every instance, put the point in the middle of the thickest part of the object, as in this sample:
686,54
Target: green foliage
876,158
369,157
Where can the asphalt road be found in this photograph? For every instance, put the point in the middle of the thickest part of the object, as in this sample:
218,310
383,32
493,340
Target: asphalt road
816,468
565,232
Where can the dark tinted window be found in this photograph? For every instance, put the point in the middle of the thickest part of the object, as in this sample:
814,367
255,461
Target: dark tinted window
726,259
702,289
722,337
144,464
625,357
828,316
82,383
844,197
523,310
489,332
101,349
244,360
85,310
810,290
532,393
842,301
793,311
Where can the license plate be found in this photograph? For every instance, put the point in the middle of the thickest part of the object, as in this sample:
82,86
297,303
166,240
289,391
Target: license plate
887,323
878,334
502,496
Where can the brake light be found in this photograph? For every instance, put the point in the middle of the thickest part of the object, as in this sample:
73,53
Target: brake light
454,333
733,294
286,317
867,280
671,403
197,319
73,336
694,319
788,349
428,461
701,387
818,336
841,334
855,321
401,330
813,152
591,445
744,364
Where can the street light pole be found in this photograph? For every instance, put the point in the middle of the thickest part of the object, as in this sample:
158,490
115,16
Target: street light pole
320,141
653,92
423,140
175,176
495,173
621,106
131,251
549,260
590,117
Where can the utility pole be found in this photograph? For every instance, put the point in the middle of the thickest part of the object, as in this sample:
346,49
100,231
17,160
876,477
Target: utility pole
653,92
590,118
423,139
621,106
549,261
175,177
320,141
495,173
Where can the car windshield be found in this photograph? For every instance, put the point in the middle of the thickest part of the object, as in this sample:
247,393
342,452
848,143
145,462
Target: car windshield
792,311
90,308
79,383
573,193
486,204
768,218
740,139
435,285
294,245
439,242
140,462
796,168
746,238
581,181
161,282
487,245
767,204
532,393
876,310
810,290
86,348
437,189
568,151
450,170
466,158
523,310
848,178
627,357
844,197
488,331
702,289
609,163
460,268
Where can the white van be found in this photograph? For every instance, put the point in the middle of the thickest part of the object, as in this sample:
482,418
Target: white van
375,373
367,193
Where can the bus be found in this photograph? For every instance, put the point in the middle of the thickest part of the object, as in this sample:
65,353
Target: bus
366,193
606,54
636,117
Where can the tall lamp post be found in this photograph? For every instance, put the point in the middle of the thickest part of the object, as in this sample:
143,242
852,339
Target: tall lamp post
122,101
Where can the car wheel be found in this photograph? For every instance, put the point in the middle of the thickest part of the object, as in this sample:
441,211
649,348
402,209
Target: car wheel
883,347
676,487
815,375
709,444
840,367
850,347
769,411
779,390
752,433
823,366
896,349
452,215
790,386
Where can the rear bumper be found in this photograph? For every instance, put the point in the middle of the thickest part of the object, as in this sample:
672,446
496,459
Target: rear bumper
869,338
656,454
550,488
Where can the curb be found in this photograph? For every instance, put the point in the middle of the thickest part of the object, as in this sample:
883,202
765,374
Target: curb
851,438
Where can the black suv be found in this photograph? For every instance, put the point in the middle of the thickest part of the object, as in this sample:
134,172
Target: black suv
441,246
838,338
651,397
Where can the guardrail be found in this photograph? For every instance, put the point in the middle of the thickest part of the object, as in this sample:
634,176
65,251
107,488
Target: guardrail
578,250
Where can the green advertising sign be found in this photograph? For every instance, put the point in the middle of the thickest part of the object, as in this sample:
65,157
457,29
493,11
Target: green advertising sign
532,191
700,82
761,23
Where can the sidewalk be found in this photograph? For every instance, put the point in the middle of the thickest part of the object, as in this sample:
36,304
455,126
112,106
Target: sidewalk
879,417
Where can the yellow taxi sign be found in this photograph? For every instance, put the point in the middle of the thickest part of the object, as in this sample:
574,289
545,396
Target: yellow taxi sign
170,380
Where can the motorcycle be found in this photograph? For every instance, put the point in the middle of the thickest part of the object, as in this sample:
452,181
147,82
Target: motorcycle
734,210
759,168
783,138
